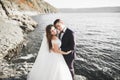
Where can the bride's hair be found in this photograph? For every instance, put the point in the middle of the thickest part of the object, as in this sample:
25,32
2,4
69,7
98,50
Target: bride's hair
48,35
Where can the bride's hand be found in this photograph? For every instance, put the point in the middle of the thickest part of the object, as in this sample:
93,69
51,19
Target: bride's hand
68,52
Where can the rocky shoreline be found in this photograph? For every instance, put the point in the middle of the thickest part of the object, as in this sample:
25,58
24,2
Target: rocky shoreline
15,24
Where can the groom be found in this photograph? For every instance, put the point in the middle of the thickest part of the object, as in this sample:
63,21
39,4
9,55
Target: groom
67,38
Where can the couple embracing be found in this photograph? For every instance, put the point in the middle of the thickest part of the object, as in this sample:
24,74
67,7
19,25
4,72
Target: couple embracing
56,55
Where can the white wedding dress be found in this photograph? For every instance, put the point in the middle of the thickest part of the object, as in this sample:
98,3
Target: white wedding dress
49,65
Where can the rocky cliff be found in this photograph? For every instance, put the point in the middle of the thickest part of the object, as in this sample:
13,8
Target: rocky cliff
15,23
13,11
12,6
34,5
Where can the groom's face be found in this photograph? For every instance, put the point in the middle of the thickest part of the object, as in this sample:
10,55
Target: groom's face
59,26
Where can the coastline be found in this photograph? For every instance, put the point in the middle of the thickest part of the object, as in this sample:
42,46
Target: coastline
16,24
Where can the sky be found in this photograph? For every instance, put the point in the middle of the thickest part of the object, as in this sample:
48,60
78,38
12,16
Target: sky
83,3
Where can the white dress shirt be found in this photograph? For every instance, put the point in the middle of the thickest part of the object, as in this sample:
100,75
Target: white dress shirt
62,33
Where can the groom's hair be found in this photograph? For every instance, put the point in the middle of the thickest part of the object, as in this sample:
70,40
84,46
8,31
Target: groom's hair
56,21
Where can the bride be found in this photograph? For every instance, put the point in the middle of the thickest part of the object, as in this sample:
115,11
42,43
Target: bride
50,64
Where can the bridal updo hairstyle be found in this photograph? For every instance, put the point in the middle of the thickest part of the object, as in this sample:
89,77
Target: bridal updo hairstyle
48,35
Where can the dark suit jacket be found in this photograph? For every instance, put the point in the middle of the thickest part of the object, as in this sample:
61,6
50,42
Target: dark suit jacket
68,43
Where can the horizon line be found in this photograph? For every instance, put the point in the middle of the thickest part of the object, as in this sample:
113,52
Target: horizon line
88,7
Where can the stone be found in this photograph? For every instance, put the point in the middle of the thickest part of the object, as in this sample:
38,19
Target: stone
80,77
25,22
11,38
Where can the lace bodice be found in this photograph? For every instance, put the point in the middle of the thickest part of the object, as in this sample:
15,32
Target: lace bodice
57,41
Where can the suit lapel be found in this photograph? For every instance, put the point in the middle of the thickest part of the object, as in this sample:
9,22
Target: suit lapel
64,34
59,36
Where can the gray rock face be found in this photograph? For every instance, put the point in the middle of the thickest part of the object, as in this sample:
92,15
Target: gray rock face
33,5
15,23
25,22
11,37
11,11
2,12
12,29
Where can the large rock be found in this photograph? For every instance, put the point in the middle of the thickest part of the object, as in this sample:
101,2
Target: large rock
12,27
79,77
25,22
11,38
12,9
15,22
